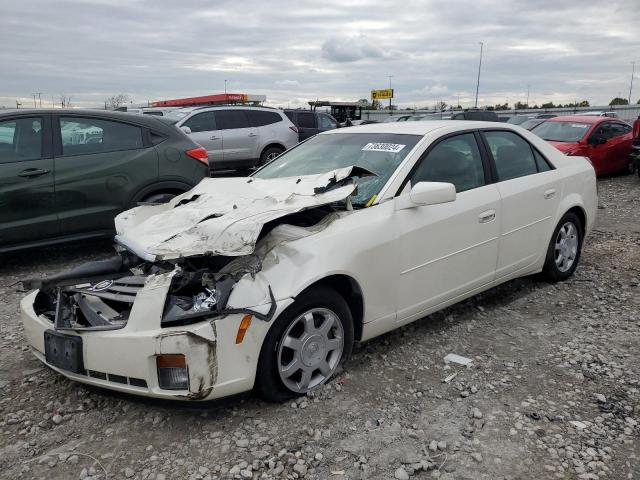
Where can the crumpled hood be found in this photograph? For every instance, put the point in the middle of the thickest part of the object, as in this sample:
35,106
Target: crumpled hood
224,216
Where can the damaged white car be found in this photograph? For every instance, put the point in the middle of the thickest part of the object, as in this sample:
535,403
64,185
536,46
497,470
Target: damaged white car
266,282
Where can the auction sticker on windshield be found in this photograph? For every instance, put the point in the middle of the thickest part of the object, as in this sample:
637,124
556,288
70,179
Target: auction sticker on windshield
383,147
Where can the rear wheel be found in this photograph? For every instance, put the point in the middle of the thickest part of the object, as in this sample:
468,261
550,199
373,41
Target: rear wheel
306,345
270,154
564,249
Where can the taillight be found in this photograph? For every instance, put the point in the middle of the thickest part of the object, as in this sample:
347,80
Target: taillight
199,154
294,128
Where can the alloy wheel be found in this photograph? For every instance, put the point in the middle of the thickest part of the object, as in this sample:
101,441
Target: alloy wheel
566,246
310,350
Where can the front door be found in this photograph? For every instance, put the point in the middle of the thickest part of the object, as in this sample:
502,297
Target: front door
450,249
27,203
99,165
239,138
205,133
530,199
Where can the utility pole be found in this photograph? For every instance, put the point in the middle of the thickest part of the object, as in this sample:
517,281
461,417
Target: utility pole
390,111
479,67
34,100
528,87
633,70
39,98
225,87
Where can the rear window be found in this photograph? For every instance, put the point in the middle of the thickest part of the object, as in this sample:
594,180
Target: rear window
260,118
561,131
306,120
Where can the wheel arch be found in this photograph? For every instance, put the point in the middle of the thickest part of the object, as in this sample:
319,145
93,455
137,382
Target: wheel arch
351,291
160,187
582,216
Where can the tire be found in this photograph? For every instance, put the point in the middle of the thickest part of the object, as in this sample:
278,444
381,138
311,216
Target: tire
565,246
270,154
286,344
159,197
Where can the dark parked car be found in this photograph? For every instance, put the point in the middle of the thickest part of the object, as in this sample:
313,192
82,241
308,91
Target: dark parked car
481,115
65,174
311,123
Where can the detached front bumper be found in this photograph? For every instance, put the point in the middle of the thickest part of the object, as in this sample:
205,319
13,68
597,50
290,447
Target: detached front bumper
125,359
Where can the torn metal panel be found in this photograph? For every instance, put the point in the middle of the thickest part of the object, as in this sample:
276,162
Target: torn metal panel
201,358
224,216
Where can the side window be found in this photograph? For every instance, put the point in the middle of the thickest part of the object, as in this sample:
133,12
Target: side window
260,118
454,160
512,154
620,129
306,120
290,116
202,122
20,139
541,162
231,119
85,136
604,131
326,122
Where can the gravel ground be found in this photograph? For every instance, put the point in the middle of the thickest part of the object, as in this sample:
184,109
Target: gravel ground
553,390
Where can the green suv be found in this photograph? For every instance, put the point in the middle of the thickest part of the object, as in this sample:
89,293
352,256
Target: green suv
65,174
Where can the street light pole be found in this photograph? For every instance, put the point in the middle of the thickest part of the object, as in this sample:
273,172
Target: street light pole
633,69
225,87
479,67
34,101
390,111
528,87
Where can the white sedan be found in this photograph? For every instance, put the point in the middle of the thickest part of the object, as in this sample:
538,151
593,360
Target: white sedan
266,282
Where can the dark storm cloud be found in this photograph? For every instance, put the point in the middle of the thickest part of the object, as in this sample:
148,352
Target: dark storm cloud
297,51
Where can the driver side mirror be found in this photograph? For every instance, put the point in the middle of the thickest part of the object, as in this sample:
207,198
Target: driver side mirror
427,193
186,130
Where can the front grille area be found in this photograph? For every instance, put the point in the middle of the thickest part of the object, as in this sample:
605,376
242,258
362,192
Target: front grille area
101,306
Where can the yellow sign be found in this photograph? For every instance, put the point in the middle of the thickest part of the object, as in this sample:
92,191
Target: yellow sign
382,94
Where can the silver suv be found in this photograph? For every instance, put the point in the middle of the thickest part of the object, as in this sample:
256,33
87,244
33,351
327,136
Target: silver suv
237,137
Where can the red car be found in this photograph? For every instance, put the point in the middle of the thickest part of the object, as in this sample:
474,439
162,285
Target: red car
603,140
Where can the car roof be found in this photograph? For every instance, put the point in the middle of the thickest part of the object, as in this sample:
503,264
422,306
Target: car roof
579,119
421,127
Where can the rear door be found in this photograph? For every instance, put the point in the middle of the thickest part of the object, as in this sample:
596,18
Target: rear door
307,126
27,202
205,132
100,164
239,138
530,194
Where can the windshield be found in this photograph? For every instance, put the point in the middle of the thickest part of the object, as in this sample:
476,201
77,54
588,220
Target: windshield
561,131
380,153
517,119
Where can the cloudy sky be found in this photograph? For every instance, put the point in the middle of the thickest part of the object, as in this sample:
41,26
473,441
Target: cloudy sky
330,49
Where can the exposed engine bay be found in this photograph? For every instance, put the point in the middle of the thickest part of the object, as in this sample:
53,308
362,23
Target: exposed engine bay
100,295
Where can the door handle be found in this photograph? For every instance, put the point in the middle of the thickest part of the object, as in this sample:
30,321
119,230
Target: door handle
215,138
253,135
33,172
549,193
487,216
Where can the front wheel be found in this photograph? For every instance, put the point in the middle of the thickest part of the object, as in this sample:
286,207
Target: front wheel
564,248
306,346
